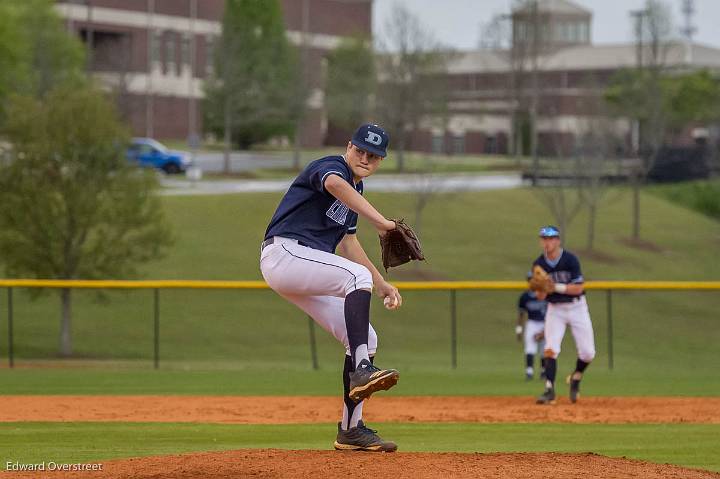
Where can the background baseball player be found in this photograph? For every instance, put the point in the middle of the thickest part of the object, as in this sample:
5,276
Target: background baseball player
567,307
318,214
530,328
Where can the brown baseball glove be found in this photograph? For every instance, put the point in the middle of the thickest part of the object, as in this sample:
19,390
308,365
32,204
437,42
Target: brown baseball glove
400,246
541,281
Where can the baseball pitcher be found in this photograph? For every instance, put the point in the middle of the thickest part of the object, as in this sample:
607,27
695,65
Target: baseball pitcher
317,216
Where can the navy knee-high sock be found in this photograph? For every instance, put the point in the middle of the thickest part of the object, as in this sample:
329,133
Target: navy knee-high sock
580,367
350,405
550,369
357,323
529,359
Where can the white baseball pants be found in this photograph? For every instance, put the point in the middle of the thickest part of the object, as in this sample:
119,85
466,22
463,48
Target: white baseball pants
577,317
531,329
316,282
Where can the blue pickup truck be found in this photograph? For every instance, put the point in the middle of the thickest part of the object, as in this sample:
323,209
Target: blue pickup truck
151,153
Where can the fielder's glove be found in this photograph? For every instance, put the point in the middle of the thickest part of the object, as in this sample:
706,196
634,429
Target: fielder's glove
541,281
400,246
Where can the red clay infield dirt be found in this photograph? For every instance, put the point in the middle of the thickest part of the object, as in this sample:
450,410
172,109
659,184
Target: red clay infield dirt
307,409
273,463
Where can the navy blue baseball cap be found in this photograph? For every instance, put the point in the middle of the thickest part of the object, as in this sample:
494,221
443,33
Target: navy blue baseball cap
372,139
549,231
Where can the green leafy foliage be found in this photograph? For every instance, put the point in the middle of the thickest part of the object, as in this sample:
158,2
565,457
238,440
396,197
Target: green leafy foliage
701,196
256,75
685,98
36,52
72,206
350,83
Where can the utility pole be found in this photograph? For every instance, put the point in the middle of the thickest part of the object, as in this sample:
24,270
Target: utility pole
90,36
689,29
535,52
638,16
193,138
227,116
149,98
297,143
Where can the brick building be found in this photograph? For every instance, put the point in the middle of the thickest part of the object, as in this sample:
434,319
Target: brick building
572,75
156,53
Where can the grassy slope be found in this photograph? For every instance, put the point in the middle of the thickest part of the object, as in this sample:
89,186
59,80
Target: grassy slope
466,236
253,343
684,444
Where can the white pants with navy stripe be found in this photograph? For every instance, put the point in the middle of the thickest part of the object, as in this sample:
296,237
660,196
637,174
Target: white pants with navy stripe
575,315
532,328
316,282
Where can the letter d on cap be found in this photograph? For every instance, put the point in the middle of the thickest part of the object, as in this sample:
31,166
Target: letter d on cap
373,138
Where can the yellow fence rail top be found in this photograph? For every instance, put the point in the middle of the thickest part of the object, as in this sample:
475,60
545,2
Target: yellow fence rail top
403,285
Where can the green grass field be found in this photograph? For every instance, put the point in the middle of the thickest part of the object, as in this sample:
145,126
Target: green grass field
484,236
243,342
690,445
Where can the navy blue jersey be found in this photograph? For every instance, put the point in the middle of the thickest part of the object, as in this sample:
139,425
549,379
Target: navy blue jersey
566,269
310,214
534,307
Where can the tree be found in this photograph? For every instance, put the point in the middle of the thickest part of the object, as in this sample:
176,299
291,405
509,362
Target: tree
72,206
596,147
691,98
495,35
36,53
350,83
639,94
412,78
255,91
563,196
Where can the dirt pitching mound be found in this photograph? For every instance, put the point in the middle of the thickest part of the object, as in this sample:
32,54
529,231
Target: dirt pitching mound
273,463
327,409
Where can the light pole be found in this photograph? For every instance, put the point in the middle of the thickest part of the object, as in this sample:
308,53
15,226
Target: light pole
638,16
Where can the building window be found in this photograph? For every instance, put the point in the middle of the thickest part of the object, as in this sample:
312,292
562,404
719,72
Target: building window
438,142
565,29
491,145
170,56
155,47
458,144
584,33
545,33
209,54
529,32
185,49
575,32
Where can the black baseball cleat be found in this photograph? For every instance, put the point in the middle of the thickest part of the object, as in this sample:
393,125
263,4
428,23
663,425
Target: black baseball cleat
574,389
367,379
548,397
362,438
